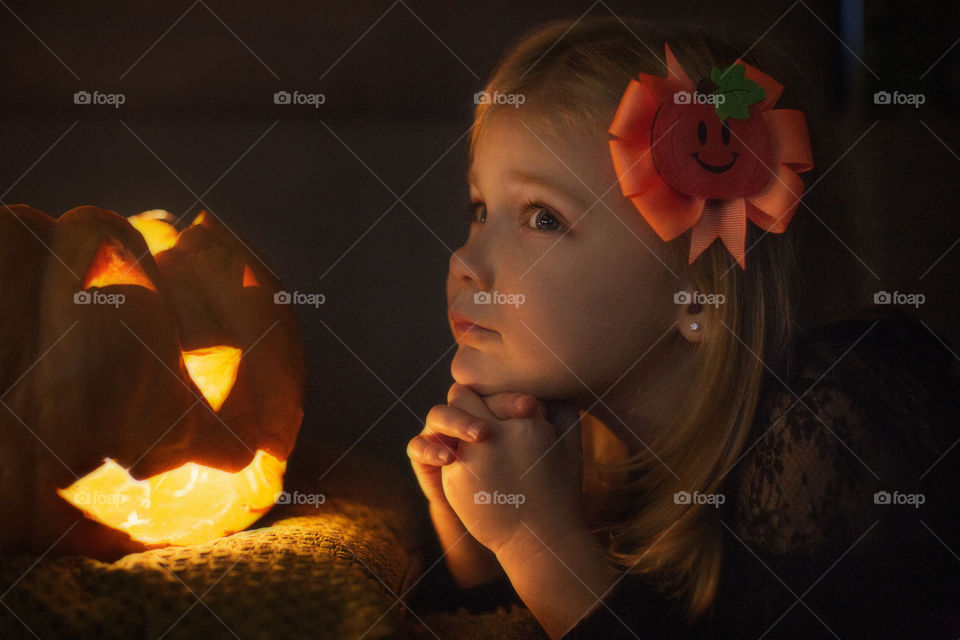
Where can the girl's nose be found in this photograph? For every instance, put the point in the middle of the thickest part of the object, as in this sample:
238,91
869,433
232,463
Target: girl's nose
468,269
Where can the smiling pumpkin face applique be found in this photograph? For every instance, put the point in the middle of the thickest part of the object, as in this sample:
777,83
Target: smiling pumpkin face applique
701,155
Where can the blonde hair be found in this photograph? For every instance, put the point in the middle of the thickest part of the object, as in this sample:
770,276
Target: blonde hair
580,69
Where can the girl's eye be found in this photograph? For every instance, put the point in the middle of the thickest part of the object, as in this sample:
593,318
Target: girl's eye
476,212
542,218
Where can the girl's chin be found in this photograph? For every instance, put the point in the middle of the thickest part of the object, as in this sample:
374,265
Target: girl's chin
473,368
485,375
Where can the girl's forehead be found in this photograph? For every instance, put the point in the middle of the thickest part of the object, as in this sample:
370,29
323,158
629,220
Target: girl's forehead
522,146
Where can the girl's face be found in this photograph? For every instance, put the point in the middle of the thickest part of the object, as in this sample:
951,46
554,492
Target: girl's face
569,296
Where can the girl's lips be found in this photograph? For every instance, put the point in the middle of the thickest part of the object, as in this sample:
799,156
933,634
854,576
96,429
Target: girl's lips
463,326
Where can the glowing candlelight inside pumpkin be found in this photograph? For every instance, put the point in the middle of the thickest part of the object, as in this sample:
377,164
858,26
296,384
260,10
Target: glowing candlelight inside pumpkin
188,505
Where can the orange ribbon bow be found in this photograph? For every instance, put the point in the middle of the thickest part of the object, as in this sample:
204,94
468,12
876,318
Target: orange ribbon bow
684,167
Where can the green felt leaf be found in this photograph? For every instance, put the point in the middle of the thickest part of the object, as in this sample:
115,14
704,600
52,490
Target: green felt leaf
738,91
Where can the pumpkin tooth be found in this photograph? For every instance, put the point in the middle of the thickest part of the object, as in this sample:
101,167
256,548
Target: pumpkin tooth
214,371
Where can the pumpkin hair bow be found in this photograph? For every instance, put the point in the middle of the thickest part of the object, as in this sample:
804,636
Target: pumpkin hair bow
710,156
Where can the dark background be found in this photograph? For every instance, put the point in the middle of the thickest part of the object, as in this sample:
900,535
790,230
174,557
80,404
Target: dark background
315,191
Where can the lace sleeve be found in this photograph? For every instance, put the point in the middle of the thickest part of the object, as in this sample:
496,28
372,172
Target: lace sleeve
803,485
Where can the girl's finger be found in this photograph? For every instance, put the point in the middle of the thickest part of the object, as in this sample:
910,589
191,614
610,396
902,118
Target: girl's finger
507,405
454,422
465,398
427,451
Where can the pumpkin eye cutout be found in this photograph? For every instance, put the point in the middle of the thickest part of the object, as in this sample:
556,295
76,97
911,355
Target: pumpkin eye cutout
249,280
214,371
114,264
702,132
725,134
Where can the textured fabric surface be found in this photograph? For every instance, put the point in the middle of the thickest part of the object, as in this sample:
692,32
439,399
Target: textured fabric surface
510,622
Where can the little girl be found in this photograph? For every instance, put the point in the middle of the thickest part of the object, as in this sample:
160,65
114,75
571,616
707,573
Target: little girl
640,440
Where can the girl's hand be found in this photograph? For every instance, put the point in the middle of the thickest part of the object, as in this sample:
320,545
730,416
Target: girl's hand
522,480
469,562
445,427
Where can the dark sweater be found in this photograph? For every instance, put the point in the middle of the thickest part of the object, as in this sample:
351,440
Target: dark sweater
810,548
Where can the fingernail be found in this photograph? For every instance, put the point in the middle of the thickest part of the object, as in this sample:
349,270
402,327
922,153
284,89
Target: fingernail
444,456
474,429
520,402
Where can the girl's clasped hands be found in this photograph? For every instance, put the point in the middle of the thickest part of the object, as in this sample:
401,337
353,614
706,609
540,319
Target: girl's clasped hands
511,475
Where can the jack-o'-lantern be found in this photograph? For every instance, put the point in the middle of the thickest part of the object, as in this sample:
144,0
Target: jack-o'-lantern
152,389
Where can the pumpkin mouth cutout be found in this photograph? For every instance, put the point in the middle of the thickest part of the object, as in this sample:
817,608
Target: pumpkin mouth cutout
715,168
191,504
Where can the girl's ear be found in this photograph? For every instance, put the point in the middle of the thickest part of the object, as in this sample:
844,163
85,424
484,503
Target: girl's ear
691,320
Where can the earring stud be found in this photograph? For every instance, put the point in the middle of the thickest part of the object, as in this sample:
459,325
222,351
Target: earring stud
694,326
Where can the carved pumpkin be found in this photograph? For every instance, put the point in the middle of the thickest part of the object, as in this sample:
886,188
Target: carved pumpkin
149,382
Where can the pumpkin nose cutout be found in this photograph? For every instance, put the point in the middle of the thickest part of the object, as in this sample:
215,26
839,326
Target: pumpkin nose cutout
114,264
214,371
